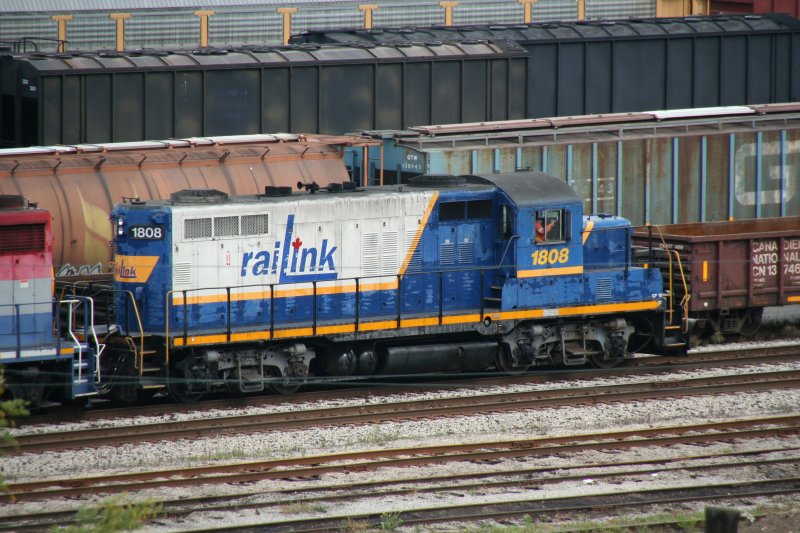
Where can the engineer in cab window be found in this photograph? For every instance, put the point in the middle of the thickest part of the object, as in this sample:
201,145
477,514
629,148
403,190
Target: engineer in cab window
547,227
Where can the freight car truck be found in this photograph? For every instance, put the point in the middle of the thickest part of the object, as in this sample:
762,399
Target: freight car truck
726,273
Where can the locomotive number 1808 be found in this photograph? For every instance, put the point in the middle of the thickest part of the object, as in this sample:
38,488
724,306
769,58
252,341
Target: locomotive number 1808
146,232
550,256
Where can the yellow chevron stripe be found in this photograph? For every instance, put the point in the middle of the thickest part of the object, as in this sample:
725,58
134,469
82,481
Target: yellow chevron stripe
587,231
410,252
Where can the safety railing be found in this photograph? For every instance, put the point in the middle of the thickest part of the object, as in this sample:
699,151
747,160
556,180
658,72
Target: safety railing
448,283
89,334
673,263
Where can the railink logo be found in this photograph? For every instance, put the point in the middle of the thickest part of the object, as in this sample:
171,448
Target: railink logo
295,262
124,271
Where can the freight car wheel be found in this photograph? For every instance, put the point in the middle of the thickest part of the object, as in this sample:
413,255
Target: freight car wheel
751,321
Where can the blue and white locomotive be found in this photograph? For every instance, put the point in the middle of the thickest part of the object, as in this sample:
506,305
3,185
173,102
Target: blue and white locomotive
444,273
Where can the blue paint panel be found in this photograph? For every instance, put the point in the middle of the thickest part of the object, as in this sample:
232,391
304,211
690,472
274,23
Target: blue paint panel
608,244
32,330
150,297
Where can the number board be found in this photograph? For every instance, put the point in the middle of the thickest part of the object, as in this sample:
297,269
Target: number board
152,233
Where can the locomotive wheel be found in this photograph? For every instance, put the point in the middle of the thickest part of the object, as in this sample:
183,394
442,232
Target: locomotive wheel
599,362
505,363
181,385
279,386
616,349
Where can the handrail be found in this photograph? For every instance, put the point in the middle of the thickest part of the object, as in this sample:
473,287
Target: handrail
684,304
76,342
357,317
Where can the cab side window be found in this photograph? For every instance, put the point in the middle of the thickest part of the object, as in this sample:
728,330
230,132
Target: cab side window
506,225
550,226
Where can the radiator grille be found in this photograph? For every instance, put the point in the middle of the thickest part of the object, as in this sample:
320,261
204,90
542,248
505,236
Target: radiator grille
197,228
415,263
447,253
255,224
466,252
389,260
226,226
370,255
182,274
21,238
604,289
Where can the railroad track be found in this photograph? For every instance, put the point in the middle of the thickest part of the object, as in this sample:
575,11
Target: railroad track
338,388
486,481
404,410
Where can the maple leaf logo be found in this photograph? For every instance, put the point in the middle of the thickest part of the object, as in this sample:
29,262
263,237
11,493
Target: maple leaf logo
297,243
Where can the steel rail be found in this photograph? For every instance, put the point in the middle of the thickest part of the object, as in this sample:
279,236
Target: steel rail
404,410
374,459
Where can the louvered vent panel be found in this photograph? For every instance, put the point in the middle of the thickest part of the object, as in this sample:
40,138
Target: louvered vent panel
197,228
466,252
370,254
226,226
447,253
182,274
415,264
20,238
255,224
389,253
604,289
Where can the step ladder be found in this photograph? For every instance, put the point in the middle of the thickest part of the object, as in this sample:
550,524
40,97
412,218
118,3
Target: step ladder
495,301
86,353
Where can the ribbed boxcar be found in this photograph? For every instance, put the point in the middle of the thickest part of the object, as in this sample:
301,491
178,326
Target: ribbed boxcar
131,96
731,270
601,66
443,274
656,167
39,364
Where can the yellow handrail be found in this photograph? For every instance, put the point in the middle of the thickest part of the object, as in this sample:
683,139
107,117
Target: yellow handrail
139,364
686,296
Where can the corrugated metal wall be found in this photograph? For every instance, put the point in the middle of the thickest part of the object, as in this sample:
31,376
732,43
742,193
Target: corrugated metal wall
178,27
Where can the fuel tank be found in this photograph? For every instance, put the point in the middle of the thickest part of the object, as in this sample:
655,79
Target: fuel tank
473,356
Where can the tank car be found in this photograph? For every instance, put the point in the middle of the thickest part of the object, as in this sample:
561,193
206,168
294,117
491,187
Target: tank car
442,274
39,363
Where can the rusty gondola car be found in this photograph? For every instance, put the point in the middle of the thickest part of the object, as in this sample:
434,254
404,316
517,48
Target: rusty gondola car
726,273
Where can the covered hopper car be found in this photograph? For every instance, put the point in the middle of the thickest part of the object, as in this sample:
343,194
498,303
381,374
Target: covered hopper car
80,184
730,271
341,81
611,66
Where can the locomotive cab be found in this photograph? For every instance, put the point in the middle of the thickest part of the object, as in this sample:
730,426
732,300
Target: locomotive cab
539,239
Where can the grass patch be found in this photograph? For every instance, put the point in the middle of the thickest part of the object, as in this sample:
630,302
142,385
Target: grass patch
303,508
112,515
